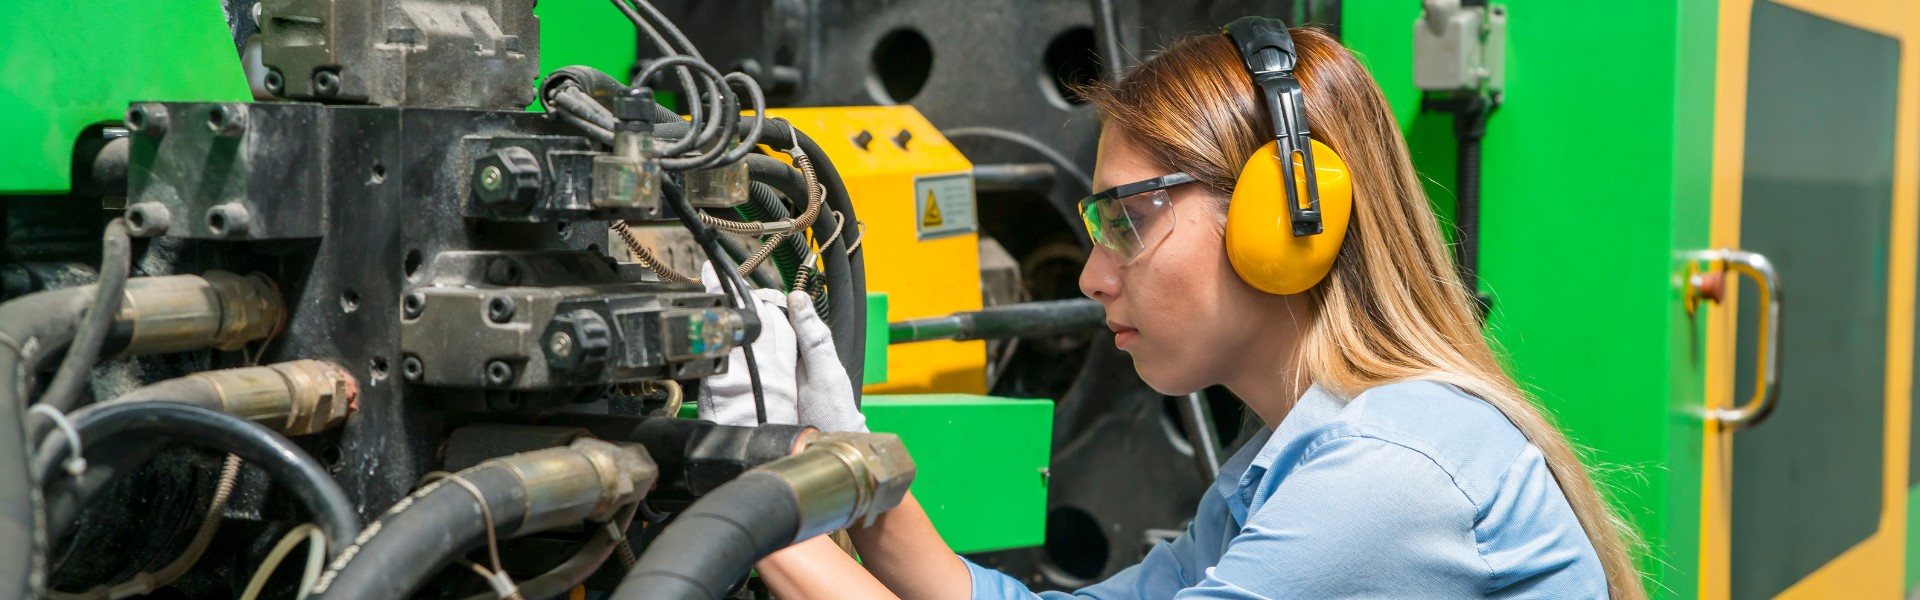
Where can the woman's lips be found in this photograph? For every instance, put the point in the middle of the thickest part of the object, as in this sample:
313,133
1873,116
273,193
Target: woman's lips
1123,335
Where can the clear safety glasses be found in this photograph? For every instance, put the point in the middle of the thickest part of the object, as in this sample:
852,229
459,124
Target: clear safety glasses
1127,220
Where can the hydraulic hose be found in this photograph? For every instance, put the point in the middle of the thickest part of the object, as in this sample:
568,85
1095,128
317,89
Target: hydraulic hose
589,480
33,328
115,259
289,466
292,398
839,479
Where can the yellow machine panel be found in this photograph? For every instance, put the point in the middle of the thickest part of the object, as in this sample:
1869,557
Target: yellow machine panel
914,192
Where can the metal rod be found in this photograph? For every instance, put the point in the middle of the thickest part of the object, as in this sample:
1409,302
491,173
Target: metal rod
1014,177
1014,320
1196,416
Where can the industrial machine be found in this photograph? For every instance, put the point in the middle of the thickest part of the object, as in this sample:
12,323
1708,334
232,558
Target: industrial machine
293,286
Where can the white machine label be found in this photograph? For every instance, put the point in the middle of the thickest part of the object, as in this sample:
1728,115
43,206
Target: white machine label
944,205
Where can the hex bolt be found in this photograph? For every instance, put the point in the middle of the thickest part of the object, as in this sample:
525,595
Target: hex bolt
326,83
499,373
413,305
227,120
275,83
500,309
148,219
228,220
147,119
862,139
560,344
901,139
490,178
411,368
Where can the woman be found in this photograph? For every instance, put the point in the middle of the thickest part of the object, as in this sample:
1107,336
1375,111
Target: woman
1399,459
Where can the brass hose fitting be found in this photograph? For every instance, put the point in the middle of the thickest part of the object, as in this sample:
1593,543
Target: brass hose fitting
177,313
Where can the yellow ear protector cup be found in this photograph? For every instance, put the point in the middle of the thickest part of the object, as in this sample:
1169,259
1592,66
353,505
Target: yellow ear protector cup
1260,240
1284,229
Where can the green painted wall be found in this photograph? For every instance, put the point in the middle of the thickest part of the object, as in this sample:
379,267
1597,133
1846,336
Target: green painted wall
1580,225
65,66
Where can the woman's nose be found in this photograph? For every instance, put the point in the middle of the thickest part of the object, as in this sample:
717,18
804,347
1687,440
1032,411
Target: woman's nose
1100,278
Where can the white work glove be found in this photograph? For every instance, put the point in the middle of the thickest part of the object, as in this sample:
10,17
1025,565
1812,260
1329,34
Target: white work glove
826,395
801,377
727,398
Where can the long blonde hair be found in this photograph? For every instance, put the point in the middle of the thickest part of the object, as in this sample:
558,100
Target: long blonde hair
1393,308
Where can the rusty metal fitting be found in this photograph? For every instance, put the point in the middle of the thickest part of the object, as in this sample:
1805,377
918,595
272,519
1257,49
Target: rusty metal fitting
844,479
188,312
294,398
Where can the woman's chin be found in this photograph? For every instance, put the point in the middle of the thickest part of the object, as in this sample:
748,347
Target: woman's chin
1165,380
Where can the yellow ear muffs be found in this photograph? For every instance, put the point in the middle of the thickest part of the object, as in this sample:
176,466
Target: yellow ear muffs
1260,240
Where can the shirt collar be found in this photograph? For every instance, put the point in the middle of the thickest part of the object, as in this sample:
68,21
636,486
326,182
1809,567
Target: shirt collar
1249,465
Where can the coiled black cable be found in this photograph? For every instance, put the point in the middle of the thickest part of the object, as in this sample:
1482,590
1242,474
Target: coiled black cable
290,466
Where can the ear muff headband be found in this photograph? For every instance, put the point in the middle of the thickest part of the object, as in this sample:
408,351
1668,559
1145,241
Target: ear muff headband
1284,251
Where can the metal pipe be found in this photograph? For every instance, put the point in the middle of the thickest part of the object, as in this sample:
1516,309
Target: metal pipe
1014,177
1026,319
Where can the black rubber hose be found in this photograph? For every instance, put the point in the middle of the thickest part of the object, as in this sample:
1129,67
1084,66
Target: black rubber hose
33,329
289,466
1469,128
789,181
1107,24
715,542
436,525
66,497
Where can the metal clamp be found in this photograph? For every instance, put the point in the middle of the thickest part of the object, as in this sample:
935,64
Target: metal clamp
1710,285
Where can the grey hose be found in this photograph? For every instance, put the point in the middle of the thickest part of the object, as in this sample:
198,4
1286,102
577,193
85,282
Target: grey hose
115,256
33,328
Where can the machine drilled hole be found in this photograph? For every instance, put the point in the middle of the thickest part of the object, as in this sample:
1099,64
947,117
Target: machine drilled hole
217,118
901,63
379,173
1070,62
349,301
412,263
1075,543
378,366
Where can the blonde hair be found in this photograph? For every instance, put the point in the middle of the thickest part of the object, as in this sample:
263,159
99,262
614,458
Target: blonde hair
1393,309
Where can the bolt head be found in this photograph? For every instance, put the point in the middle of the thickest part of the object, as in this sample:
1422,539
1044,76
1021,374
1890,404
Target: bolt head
499,373
413,305
500,309
579,342
412,369
508,177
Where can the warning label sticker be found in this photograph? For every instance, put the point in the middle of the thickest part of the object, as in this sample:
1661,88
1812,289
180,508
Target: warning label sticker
944,205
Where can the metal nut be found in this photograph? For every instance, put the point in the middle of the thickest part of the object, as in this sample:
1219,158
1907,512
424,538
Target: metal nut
500,309
499,373
148,219
227,120
411,368
412,305
147,119
326,83
229,220
508,177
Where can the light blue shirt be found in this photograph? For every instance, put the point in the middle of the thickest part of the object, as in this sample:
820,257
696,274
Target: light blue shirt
1410,490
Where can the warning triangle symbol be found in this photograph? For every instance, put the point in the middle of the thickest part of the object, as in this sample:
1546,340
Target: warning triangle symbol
931,217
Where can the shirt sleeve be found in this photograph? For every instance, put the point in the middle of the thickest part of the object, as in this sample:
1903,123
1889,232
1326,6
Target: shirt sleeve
1160,575
1357,517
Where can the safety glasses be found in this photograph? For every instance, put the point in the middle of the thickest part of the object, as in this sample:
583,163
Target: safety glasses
1128,220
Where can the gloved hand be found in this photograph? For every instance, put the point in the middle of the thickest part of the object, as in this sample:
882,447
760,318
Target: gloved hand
727,398
826,395
801,377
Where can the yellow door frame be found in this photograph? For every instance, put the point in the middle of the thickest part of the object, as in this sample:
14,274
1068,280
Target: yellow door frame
1873,568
